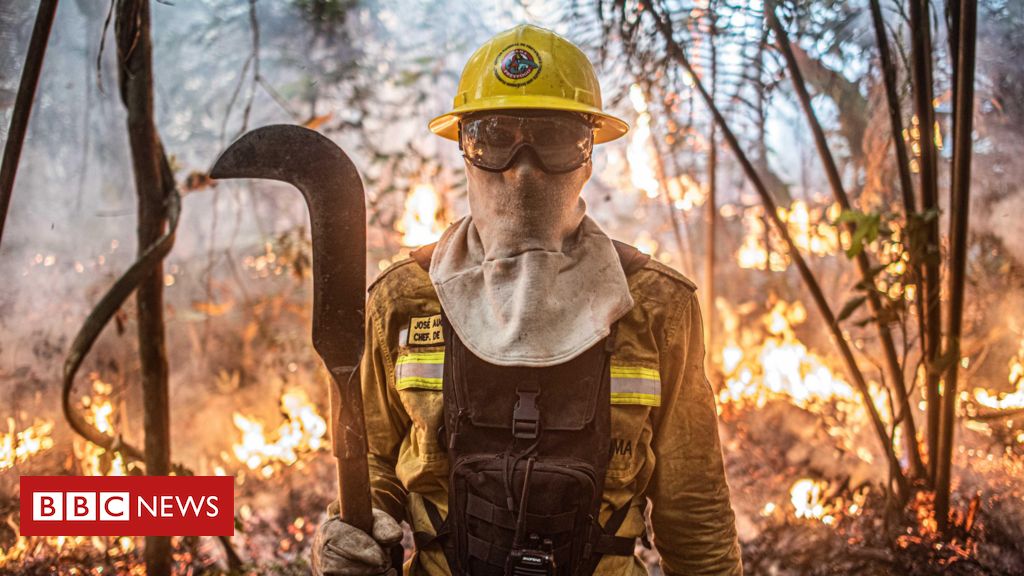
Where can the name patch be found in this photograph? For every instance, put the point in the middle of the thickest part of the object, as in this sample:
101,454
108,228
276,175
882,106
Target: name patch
425,331
621,447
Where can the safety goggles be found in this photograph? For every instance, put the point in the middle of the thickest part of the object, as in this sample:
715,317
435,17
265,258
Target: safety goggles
561,142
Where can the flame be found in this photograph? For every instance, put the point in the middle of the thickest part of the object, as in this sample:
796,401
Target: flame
17,447
808,498
640,152
420,224
773,364
753,253
646,243
685,193
812,230
810,227
95,461
99,411
913,136
27,548
302,431
785,367
1013,400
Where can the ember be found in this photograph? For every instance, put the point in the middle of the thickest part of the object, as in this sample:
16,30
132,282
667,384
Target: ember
18,446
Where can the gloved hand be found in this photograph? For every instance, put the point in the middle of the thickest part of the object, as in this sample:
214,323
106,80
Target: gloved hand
340,549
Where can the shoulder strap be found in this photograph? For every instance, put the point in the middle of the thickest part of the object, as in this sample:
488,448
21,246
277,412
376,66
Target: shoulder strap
630,258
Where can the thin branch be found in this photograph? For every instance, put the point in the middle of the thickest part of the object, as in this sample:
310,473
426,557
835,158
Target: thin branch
103,43
683,243
23,104
97,319
254,24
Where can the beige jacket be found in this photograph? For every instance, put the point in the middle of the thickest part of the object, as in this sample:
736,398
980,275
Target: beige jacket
665,443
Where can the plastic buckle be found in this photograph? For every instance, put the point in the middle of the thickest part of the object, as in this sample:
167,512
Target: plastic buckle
526,416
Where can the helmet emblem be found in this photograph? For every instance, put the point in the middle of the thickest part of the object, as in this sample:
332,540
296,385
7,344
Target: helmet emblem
518,64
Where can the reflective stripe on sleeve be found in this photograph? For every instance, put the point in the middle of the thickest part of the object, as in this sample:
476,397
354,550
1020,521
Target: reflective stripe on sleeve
419,370
636,385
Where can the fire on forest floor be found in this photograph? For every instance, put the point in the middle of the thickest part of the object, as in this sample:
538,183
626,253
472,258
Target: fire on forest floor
803,480
802,463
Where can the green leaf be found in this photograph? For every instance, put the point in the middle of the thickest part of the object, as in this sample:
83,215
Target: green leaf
865,233
864,322
849,216
850,307
865,226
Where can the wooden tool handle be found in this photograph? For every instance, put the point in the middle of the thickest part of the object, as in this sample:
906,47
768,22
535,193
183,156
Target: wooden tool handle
349,434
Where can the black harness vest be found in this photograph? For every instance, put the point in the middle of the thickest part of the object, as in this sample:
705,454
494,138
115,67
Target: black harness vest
528,449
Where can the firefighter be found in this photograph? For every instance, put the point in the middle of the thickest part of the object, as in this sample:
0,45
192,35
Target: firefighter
529,383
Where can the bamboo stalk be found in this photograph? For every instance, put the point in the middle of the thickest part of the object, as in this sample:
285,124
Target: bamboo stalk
710,209
677,54
907,195
153,185
921,54
895,117
683,243
959,203
864,265
952,24
23,104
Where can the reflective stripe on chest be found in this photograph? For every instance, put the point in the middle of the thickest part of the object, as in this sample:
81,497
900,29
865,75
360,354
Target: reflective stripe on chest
636,385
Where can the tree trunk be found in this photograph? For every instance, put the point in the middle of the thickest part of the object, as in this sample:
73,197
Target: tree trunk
959,205
711,215
153,186
921,54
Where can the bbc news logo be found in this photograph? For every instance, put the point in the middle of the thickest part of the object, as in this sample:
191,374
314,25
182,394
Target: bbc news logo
116,506
127,506
109,506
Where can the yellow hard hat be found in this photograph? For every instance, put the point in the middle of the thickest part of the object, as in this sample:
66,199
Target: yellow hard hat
529,67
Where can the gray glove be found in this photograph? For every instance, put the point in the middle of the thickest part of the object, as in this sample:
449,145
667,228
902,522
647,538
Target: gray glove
340,549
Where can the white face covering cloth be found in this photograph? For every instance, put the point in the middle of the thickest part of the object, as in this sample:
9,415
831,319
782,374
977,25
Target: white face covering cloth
528,279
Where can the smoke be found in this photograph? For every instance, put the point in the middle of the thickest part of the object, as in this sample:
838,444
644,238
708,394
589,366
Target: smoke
237,284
